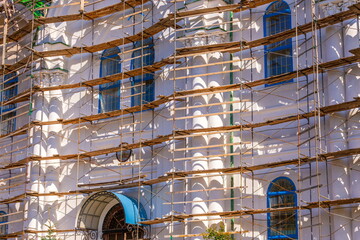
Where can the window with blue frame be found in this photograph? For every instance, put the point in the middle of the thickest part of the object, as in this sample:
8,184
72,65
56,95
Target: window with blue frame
8,112
282,224
109,93
3,219
278,56
143,86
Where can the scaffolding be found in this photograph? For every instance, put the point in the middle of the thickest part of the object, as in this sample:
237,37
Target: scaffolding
222,140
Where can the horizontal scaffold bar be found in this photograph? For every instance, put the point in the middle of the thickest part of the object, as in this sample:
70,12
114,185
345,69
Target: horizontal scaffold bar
187,133
102,12
181,175
191,51
24,96
319,204
186,93
353,12
123,5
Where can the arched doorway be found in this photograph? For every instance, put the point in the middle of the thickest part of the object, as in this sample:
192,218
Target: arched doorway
115,228
121,221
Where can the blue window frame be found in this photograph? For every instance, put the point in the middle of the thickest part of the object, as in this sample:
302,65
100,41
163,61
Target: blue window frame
3,219
143,86
282,224
109,94
278,56
8,113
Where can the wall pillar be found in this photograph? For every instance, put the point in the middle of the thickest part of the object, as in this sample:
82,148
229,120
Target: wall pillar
216,139
352,91
52,168
35,173
200,162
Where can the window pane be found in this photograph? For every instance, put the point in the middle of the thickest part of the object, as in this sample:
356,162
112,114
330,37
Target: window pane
143,57
110,92
110,66
146,92
4,219
279,62
110,99
7,125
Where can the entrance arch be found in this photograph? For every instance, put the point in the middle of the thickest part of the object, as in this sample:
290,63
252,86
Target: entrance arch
120,222
115,228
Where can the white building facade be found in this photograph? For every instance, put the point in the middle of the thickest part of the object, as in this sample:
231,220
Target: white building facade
162,119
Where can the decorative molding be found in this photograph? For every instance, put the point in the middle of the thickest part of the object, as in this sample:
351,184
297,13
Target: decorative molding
204,40
45,78
336,6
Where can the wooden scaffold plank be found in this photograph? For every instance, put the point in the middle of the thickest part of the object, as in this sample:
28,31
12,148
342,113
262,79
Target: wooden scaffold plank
180,133
320,204
102,12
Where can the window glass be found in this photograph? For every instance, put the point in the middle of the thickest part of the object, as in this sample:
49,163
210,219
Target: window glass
3,219
8,111
143,85
110,92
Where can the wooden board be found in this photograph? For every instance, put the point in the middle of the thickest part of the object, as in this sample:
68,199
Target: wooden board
191,51
17,35
273,79
161,139
24,96
118,7
320,204
181,174
111,78
302,29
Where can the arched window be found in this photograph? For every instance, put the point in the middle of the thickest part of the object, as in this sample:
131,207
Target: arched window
143,85
109,96
8,111
278,56
3,219
282,224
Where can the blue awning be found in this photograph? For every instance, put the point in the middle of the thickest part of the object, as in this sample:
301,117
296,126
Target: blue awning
134,211
93,207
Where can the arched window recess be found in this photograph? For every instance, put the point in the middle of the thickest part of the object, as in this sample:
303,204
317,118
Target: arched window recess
282,224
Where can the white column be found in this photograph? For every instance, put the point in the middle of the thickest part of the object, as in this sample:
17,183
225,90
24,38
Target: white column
200,163
352,90
35,173
52,167
216,139
339,171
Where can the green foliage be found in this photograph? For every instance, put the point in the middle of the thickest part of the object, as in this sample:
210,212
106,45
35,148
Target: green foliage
217,233
51,233
33,5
